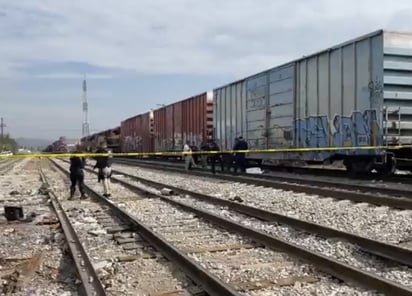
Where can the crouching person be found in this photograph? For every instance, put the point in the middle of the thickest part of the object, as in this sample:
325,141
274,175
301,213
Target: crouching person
103,164
77,175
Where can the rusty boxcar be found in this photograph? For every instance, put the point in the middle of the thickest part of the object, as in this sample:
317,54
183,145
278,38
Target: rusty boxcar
187,120
137,133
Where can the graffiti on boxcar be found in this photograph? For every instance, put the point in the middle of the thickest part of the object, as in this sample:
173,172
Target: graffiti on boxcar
371,121
375,91
375,87
169,144
132,144
178,141
358,129
313,132
341,131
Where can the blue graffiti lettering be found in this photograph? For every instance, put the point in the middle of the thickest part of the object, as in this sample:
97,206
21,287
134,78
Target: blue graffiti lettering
358,129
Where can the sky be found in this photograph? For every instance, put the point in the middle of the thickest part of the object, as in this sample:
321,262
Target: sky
138,54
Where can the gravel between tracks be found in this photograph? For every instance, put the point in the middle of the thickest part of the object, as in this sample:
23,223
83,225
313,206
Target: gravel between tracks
375,222
339,250
296,177
153,212
18,241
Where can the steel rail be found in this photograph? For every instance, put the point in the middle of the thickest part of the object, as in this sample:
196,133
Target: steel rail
339,173
331,266
209,282
323,188
6,165
90,280
309,180
308,171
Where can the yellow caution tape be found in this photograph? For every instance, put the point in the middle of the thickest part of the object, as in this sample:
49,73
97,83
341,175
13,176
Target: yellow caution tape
181,153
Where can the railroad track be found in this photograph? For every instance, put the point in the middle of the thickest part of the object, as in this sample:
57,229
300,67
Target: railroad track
117,253
33,260
389,251
373,193
103,251
341,173
8,164
339,267
381,223
301,170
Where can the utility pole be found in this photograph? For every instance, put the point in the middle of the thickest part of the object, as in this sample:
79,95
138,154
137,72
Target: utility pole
2,126
85,126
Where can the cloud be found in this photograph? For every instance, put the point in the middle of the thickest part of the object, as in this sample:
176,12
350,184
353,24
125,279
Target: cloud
140,53
67,70
76,76
186,36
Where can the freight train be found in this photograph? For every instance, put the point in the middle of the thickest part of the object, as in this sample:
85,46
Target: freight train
168,128
110,137
355,95
59,146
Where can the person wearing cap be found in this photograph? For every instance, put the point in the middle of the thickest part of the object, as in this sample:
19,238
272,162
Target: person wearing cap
240,159
76,173
103,164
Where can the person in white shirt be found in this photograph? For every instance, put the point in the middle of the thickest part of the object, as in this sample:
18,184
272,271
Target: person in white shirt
188,157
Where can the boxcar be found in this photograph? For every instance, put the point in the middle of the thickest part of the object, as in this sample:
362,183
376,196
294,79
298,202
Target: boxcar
137,133
187,120
110,137
59,146
355,94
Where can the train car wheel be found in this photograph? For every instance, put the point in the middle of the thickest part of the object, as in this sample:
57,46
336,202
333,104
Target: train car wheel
358,167
389,167
348,165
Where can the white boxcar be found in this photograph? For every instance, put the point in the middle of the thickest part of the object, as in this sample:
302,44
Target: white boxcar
355,94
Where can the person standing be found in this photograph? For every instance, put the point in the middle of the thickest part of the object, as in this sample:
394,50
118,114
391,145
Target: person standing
204,147
215,157
76,174
240,159
195,154
103,164
188,157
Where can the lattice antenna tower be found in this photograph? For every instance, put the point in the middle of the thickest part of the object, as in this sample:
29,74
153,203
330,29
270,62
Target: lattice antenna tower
85,126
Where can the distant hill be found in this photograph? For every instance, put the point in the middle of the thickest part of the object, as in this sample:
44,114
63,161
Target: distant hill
38,143
35,143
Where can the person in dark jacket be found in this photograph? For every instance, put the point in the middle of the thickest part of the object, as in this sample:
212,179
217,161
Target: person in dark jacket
240,159
76,174
204,148
103,164
195,155
215,157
